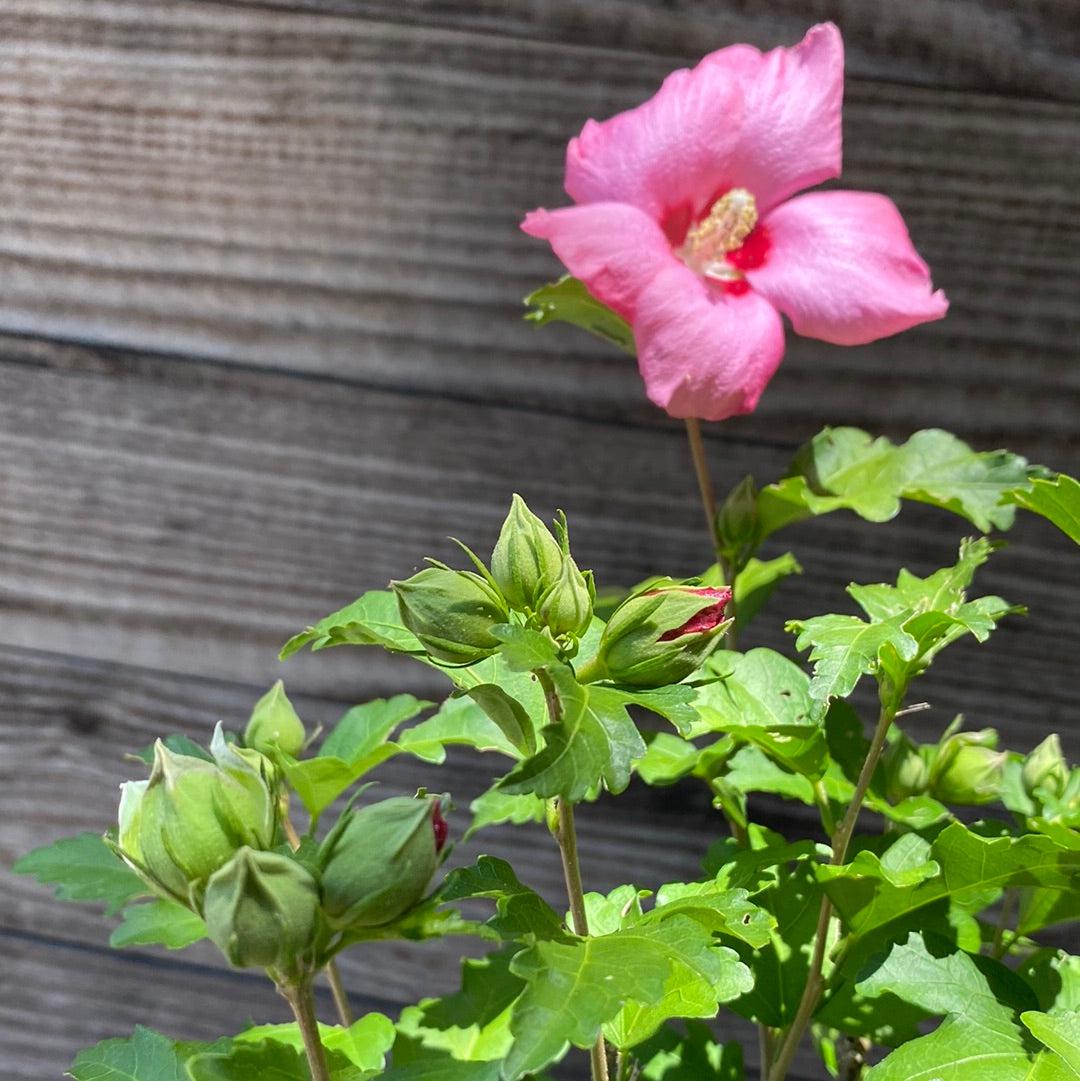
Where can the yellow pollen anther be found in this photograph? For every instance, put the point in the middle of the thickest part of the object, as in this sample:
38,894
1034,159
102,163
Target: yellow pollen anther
729,222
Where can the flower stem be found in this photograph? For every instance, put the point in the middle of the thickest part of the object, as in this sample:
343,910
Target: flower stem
708,504
337,989
840,842
302,1000
566,837
333,975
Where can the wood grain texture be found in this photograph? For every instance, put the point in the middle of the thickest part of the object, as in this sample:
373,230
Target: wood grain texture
190,517
342,196
280,240
997,45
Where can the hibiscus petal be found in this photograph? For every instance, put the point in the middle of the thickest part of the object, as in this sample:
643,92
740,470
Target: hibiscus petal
790,138
704,353
841,267
615,249
668,155
768,122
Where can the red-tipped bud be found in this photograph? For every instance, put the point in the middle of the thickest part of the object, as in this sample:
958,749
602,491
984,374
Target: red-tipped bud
661,635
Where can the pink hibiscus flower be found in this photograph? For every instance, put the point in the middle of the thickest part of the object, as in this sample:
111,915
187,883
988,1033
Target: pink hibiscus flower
685,226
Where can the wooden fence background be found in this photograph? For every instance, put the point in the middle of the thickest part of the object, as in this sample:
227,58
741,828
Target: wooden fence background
261,348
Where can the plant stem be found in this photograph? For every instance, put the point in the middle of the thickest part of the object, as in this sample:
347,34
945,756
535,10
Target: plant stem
1009,903
840,841
566,837
708,504
302,1000
337,989
333,975
821,798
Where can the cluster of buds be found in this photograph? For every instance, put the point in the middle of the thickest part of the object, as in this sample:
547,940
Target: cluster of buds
453,613
656,637
964,768
205,832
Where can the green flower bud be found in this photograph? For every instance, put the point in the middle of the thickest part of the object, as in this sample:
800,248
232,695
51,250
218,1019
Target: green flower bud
274,723
566,608
658,637
527,559
1046,769
261,910
968,769
452,613
377,861
907,772
183,823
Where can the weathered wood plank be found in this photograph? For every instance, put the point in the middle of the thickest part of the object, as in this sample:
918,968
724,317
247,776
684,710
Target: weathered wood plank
976,44
342,196
189,518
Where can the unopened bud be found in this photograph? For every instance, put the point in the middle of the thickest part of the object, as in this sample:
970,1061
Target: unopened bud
261,910
275,723
907,772
527,559
658,637
968,768
1045,768
566,608
183,823
377,861
452,613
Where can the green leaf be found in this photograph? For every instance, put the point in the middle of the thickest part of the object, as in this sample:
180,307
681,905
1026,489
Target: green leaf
474,1023
495,807
521,911
845,468
791,899
83,868
268,1060
158,923
1057,500
1054,976
757,582
508,714
979,1039
573,988
667,758
367,727
568,301
1060,1032
942,591
871,892
702,975
595,741
695,1056
675,704
459,720
720,910
525,650
845,648
145,1056
371,620
425,1064
365,1043
761,697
